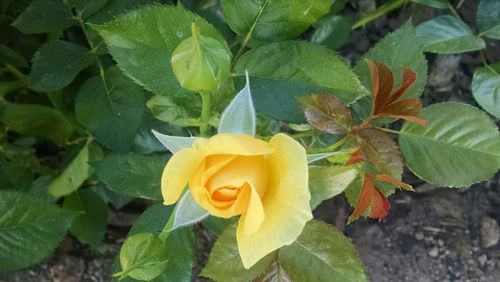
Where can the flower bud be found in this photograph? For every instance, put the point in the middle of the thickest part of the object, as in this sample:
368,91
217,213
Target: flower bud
201,63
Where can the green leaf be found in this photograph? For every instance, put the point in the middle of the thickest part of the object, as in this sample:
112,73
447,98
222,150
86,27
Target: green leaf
57,63
89,226
327,182
30,228
273,20
274,273
166,110
397,50
488,18
89,7
112,113
15,176
142,42
180,243
326,113
438,4
143,257
74,175
239,116
448,35
459,147
332,31
37,120
224,263
175,143
132,174
113,8
486,88
321,253
11,57
188,212
305,66
201,63
44,16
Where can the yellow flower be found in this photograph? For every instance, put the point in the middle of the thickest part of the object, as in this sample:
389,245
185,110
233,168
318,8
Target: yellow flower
236,174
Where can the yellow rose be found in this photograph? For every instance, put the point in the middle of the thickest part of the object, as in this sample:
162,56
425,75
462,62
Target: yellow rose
236,174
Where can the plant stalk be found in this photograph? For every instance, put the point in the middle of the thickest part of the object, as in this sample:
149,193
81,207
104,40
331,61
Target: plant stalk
380,11
205,113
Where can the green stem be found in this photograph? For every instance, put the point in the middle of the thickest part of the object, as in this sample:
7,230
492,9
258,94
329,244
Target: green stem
166,230
380,11
389,130
303,134
205,113
248,36
16,72
453,11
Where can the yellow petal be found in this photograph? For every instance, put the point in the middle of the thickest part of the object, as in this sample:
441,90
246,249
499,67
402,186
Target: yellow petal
285,203
233,144
179,169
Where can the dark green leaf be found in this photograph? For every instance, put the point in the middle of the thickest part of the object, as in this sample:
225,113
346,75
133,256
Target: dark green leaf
114,8
15,176
486,88
30,228
143,51
322,253
397,50
89,226
132,174
112,113
44,16
488,18
57,63
37,120
143,257
275,20
459,147
89,7
11,57
224,263
438,4
448,35
332,31
327,182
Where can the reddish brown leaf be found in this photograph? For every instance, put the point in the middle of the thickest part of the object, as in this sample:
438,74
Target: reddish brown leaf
355,157
370,196
326,113
387,102
379,149
394,181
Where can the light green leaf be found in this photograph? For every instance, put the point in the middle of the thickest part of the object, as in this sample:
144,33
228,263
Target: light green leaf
239,117
11,57
486,88
143,257
174,143
73,176
397,50
89,226
327,182
322,253
488,18
57,63
201,63
311,158
224,263
448,35
459,147
132,174
37,120
438,4
180,244
306,66
166,110
44,16
142,42
113,114
188,212
31,228
273,20
332,31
